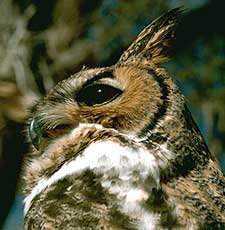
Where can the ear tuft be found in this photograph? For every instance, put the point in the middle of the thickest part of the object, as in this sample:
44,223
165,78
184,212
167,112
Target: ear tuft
153,44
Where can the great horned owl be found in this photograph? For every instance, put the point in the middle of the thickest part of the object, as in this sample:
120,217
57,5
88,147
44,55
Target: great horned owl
117,148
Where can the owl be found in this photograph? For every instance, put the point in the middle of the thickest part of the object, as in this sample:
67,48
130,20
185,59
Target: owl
117,148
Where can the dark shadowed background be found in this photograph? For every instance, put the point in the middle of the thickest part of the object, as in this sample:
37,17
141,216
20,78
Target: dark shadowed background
42,42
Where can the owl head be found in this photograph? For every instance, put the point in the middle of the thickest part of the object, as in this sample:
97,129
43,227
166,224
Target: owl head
133,96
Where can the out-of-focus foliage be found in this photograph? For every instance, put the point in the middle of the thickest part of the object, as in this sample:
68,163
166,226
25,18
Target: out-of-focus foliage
42,42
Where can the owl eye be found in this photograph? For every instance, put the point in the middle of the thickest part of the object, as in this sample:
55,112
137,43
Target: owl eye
97,94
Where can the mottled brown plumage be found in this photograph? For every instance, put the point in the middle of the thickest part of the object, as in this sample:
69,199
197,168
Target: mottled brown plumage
117,148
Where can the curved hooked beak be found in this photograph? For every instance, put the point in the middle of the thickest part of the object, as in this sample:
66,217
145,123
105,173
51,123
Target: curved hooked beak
35,132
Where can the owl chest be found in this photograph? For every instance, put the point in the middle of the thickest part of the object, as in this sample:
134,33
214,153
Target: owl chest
109,185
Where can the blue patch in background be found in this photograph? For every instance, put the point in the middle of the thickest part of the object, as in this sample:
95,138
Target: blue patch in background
15,218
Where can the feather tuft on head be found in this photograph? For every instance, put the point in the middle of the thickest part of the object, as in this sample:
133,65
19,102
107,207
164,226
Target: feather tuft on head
153,44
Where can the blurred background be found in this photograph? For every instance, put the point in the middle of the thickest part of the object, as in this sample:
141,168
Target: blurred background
42,42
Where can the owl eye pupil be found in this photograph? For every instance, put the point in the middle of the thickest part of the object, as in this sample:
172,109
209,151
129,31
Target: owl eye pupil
97,94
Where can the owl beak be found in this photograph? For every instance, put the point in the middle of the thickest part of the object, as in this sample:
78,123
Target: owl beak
35,133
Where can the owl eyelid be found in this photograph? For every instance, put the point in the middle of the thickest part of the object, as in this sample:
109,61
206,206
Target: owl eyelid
111,82
98,77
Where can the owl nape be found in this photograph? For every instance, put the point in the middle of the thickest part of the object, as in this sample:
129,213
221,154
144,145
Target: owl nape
117,148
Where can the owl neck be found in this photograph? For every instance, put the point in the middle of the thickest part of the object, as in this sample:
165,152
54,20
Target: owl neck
175,136
179,144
